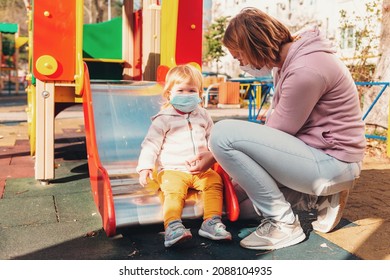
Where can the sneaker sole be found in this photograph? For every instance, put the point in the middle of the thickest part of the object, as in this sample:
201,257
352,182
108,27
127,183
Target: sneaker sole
209,236
327,227
181,239
299,237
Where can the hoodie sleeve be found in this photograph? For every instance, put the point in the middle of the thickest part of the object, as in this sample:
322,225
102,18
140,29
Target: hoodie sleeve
298,95
151,146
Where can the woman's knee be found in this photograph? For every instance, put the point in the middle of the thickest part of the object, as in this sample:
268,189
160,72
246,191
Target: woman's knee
220,133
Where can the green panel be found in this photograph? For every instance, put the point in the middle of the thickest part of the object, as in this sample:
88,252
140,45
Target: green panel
8,27
103,40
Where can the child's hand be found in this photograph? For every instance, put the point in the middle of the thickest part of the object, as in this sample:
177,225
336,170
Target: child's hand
144,175
200,163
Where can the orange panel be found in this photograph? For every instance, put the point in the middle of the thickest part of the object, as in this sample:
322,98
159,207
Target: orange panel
189,32
54,40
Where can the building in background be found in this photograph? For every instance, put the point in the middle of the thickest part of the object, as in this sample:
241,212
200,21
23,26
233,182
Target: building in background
300,14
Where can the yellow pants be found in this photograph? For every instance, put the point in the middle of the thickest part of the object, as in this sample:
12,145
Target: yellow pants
175,185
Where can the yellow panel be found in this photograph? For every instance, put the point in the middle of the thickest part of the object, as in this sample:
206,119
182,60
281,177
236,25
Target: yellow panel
169,12
79,75
388,136
20,41
31,117
111,60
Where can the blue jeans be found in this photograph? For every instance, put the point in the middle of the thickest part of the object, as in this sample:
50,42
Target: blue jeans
261,159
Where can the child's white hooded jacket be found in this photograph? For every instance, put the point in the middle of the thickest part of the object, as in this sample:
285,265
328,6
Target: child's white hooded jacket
174,138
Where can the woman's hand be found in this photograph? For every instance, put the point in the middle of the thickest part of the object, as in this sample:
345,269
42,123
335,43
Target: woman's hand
200,163
144,175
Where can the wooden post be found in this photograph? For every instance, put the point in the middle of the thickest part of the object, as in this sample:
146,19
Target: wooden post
229,95
44,159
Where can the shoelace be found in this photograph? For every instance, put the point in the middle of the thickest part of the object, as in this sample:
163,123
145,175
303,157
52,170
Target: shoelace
219,226
174,227
265,227
214,221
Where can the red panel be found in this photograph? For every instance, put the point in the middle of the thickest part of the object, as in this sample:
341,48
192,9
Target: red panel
100,181
189,32
54,34
232,206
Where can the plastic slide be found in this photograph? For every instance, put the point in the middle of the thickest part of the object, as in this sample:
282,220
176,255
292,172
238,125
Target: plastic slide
117,117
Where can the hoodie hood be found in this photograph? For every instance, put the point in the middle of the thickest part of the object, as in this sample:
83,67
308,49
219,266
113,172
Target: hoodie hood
307,42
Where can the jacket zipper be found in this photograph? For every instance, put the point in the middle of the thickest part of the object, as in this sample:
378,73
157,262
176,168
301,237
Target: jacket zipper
191,133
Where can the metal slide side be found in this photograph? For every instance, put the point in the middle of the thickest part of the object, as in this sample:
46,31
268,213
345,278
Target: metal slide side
117,117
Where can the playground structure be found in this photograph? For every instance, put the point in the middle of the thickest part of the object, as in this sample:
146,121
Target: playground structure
10,55
116,70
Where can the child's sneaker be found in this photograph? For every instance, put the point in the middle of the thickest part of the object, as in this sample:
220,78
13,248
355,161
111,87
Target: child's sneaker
175,233
214,229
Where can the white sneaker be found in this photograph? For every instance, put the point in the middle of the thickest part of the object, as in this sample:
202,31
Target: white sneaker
330,211
271,235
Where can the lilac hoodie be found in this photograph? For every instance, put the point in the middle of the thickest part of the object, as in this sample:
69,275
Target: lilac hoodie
316,99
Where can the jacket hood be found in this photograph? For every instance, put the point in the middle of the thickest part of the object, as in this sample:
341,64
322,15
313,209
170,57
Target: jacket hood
308,41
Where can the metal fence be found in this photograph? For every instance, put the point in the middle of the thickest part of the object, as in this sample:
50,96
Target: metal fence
260,92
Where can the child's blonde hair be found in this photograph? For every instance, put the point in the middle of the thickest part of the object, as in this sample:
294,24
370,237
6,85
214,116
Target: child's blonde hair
179,74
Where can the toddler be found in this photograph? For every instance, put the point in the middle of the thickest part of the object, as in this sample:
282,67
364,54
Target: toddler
179,132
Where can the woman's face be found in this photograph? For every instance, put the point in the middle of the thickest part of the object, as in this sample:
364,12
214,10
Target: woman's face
237,55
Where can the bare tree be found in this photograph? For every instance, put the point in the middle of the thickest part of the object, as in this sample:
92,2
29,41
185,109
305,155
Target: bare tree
88,15
100,6
379,114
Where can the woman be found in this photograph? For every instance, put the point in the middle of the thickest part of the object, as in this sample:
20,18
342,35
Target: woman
313,140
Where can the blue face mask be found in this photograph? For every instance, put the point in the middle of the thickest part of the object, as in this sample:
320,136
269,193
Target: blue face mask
185,102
